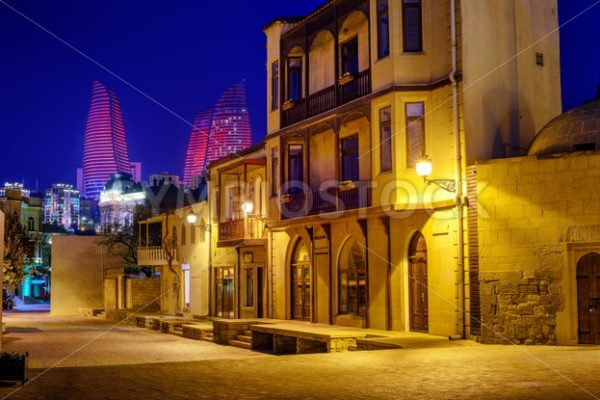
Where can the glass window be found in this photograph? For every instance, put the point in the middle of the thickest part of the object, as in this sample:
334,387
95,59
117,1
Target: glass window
412,29
349,168
275,85
415,132
385,138
352,281
383,29
295,166
294,78
350,57
274,171
183,235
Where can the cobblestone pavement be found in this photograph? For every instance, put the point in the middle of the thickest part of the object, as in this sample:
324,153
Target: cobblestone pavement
130,363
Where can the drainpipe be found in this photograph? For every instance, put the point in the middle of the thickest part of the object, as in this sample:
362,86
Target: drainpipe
458,176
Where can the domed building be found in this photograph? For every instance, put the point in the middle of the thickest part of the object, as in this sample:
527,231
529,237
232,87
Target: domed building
575,130
118,199
535,238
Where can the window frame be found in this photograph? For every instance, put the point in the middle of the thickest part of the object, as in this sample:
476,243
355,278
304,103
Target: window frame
407,4
290,159
274,171
385,145
343,45
275,77
289,81
344,153
344,308
409,121
383,14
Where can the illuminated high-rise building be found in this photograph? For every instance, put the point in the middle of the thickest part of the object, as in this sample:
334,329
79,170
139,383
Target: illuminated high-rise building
105,150
218,132
61,206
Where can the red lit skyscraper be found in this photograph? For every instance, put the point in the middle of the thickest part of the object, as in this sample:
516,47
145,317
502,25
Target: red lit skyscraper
105,149
219,132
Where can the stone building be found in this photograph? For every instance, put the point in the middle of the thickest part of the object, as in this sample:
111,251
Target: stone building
176,245
359,91
539,236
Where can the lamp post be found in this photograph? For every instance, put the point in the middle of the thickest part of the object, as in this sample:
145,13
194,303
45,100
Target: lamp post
424,168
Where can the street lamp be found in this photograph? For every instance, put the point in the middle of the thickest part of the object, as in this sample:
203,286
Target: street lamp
424,168
192,218
247,207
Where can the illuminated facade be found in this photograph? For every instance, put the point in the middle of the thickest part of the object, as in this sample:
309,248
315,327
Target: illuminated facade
358,92
105,149
118,200
218,133
61,206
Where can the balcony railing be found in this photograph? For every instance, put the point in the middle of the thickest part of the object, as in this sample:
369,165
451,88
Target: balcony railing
328,98
156,255
349,196
252,227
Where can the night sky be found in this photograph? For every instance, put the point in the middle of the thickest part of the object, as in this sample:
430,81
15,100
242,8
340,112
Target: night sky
181,53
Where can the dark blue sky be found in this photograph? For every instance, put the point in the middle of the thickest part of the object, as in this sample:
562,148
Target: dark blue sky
183,54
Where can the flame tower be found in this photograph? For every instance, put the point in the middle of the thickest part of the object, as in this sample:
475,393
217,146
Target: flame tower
219,132
105,149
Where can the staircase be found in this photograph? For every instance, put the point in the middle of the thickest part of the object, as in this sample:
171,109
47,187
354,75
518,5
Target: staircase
243,341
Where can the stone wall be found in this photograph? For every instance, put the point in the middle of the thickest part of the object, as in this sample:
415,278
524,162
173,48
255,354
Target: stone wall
532,213
144,294
78,267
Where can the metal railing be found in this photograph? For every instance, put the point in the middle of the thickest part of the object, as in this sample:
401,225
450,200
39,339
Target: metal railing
252,227
345,196
326,99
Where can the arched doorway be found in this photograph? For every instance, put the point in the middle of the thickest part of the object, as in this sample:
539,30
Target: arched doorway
352,281
300,282
417,275
588,298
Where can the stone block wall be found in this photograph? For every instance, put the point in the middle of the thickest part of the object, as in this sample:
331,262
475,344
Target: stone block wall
145,294
530,213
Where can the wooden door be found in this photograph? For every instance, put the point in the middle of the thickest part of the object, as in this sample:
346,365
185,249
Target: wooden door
224,292
259,293
301,282
588,298
418,296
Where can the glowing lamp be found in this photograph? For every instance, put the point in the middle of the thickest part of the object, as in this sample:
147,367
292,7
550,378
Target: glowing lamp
191,218
247,207
424,168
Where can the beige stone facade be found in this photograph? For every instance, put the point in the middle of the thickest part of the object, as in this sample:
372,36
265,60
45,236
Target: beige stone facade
537,219
176,245
353,235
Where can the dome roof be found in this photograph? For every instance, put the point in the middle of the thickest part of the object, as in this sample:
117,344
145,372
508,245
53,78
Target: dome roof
122,183
575,130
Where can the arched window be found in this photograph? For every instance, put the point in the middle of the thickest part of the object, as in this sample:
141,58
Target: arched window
174,235
352,280
183,235
301,282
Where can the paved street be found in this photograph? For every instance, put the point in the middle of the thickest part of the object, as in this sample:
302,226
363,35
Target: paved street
93,359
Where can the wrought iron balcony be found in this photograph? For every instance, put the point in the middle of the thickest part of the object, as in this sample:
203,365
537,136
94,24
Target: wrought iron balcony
252,227
346,196
328,98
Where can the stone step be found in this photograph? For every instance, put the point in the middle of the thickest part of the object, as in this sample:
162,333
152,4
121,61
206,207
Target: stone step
244,338
248,332
240,344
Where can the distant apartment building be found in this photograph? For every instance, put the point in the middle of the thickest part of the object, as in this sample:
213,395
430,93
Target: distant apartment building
164,178
62,206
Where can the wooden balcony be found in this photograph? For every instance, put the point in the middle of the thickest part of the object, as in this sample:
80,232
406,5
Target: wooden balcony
327,99
155,256
248,229
353,195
